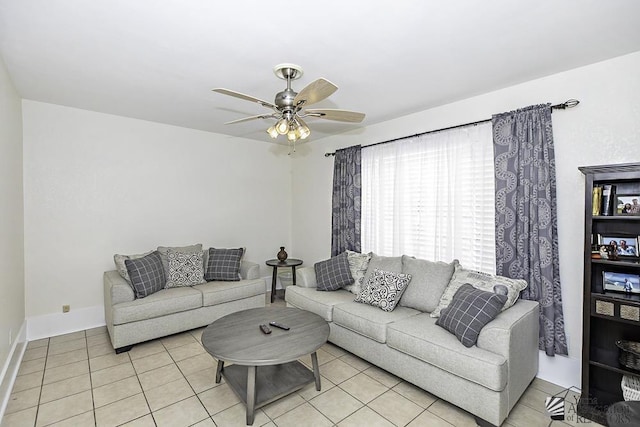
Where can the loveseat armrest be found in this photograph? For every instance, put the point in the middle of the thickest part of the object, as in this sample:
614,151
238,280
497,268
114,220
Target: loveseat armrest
249,270
306,277
116,289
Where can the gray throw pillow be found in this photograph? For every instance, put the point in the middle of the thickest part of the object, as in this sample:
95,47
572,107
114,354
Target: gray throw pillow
223,265
428,281
333,273
386,263
185,269
119,260
358,264
383,289
470,310
164,254
147,274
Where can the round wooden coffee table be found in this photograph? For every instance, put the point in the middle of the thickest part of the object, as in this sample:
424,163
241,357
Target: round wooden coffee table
265,367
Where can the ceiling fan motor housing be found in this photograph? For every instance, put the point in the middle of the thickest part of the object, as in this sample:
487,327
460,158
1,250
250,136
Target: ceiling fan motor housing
285,98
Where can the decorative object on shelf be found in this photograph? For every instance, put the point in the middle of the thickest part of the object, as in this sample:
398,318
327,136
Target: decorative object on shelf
605,308
596,202
627,205
629,354
282,255
608,196
622,245
629,312
621,282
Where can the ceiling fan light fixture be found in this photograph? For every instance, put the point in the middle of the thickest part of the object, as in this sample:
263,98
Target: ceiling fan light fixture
282,127
273,133
303,130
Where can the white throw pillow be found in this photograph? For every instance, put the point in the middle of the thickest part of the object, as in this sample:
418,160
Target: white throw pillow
358,264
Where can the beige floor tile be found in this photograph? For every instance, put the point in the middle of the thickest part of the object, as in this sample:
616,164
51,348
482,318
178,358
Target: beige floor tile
356,362
395,408
382,376
334,349
31,366
159,376
323,357
122,411
197,334
415,394
23,400
59,373
283,405
209,423
270,424
196,363
534,399
67,346
203,380
146,349
178,340
109,375
67,407
186,351
55,360
336,404
115,391
25,382
218,399
452,414
96,331
363,387
181,414
309,391
99,339
44,342
149,363
83,420
303,413
145,421
366,417
524,416
168,394
22,418
107,361
100,350
64,388
67,337
546,386
427,418
236,416
338,371
34,353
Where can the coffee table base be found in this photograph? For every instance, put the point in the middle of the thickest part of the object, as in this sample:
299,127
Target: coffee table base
266,383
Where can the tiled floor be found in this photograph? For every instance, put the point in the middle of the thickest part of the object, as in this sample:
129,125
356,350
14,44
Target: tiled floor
77,380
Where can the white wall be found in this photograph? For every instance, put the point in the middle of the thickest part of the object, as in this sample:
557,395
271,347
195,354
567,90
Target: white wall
97,184
603,129
11,227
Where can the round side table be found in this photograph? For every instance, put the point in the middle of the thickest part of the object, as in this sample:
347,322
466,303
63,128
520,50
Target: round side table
289,262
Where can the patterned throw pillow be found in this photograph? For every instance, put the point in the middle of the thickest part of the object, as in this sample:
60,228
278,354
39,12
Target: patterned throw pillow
479,280
164,254
122,269
470,310
358,264
333,273
223,265
185,269
383,289
147,274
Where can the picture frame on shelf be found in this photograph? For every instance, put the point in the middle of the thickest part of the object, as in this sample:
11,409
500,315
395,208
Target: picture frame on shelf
627,205
621,282
625,245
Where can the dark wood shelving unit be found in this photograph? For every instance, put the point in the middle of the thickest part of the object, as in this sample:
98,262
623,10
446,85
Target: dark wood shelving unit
608,316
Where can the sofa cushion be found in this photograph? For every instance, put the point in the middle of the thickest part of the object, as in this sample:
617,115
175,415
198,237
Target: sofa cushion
185,269
428,281
119,260
146,274
367,320
420,337
479,280
161,303
333,273
470,310
386,263
320,303
358,264
384,289
214,293
164,254
223,265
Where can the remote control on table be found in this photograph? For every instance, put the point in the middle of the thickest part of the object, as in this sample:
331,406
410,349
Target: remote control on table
265,329
279,325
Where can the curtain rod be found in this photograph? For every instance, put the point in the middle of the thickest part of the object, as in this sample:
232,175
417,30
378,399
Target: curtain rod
562,106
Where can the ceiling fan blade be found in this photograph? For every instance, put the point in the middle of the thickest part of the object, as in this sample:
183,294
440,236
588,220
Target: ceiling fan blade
246,119
337,115
314,92
243,96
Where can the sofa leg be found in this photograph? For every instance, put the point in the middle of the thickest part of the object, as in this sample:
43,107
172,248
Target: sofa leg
123,349
483,423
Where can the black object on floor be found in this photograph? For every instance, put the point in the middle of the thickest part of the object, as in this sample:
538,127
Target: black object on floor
624,414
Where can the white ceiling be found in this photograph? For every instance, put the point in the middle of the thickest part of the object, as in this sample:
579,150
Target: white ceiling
159,59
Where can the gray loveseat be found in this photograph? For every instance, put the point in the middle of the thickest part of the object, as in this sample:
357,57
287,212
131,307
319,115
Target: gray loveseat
486,379
169,311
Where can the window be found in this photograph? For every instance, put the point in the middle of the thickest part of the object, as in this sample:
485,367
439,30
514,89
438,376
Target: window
432,197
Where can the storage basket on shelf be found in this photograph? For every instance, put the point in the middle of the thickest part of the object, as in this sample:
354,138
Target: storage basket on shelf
629,354
630,387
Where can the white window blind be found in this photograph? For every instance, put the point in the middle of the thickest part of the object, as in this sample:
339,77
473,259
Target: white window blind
432,197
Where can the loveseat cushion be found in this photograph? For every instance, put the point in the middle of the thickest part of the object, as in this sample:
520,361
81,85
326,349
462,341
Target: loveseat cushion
368,320
420,337
320,303
428,281
386,263
214,293
161,303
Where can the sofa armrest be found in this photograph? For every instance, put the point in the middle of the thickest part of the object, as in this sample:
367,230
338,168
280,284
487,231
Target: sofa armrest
249,270
116,289
306,277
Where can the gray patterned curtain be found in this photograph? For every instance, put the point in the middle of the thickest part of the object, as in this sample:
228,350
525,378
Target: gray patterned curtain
526,214
345,224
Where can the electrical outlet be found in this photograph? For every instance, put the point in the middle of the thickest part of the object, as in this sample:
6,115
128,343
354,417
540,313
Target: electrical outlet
66,308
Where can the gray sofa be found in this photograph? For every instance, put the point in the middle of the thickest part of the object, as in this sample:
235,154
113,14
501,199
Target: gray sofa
169,311
486,379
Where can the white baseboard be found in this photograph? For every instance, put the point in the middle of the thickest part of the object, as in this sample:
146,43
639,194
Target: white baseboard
11,366
561,370
50,325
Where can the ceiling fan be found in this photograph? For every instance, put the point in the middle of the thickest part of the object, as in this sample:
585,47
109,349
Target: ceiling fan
290,107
